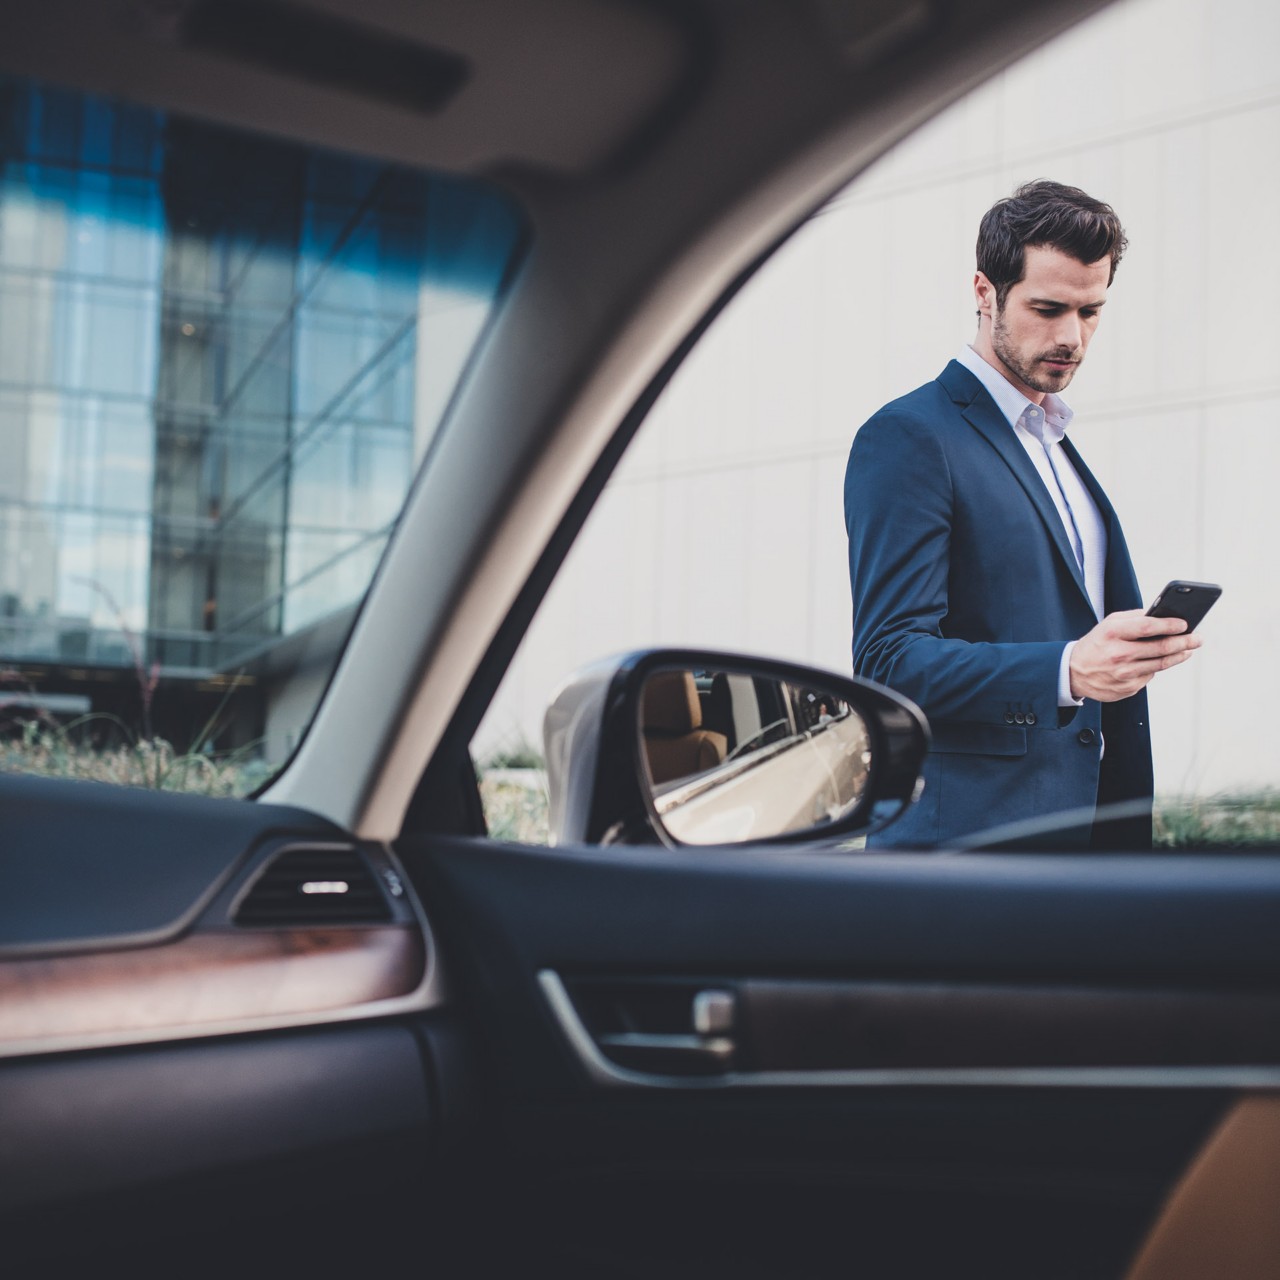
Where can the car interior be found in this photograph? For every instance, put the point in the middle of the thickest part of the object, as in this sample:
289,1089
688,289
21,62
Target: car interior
336,1024
675,740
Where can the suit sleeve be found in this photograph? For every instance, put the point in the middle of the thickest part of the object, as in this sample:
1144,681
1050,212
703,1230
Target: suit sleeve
899,513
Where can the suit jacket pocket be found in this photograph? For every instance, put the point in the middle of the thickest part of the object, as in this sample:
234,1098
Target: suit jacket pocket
979,739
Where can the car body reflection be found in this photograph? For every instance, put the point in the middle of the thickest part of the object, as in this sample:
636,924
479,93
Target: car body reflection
732,756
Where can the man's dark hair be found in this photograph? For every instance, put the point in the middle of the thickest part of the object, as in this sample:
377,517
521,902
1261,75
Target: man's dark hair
1049,214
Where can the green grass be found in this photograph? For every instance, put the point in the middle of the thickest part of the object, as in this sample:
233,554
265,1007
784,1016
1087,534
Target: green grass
1231,820
519,754
57,751
516,811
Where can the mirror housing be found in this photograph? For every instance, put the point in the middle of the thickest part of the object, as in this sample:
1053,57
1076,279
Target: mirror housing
608,786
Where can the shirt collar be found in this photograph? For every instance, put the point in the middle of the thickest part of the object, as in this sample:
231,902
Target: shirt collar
1013,404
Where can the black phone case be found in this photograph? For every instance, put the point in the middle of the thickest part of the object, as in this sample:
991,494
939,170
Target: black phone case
1187,600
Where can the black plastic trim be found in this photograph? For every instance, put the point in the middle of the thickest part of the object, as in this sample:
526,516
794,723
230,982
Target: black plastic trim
93,1124
89,866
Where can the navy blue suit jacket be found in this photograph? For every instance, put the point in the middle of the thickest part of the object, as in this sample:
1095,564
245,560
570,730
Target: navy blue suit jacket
965,589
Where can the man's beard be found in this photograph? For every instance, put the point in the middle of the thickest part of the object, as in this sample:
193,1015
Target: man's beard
1030,372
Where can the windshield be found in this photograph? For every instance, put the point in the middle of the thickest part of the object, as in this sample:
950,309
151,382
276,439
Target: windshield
221,359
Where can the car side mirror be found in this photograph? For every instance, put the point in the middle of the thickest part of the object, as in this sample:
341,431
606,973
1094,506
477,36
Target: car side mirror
699,748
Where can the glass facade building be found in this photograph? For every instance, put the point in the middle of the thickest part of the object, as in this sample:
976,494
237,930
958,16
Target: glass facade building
221,357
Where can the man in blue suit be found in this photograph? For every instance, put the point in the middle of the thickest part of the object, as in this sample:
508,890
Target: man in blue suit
991,581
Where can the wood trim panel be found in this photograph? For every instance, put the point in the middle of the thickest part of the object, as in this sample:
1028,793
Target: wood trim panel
832,1026
206,977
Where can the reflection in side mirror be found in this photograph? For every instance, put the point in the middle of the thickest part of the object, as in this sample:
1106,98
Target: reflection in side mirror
732,755
690,747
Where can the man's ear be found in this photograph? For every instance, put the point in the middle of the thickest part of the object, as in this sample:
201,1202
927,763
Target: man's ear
984,296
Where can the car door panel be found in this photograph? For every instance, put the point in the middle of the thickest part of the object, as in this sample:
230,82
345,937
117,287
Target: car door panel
983,1065
1115,920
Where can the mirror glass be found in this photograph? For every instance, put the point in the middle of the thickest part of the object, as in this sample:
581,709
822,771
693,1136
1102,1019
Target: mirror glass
733,755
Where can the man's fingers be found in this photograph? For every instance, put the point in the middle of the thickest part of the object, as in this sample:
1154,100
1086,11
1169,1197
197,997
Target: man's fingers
1144,667
1160,648
1156,662
1144,628
1133,624
1126,651
1130,673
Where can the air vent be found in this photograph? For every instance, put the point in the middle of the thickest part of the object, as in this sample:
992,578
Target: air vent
315,887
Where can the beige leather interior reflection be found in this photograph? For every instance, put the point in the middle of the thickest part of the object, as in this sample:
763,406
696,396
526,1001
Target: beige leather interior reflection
675,743
1223,1218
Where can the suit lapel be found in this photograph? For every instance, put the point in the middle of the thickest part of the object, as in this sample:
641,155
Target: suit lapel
1121,582
980,412
1095,489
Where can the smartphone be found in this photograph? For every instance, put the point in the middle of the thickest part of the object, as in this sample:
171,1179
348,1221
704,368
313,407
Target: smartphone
1187,600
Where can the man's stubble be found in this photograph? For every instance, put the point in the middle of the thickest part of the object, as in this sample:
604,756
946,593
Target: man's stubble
1029,371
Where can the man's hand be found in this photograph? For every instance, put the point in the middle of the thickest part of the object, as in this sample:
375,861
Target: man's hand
1124,652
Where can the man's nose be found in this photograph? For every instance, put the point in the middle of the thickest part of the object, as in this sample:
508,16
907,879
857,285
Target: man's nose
1067,332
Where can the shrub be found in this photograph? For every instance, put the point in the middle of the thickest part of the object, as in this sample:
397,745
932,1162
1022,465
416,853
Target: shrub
1228,821
50,750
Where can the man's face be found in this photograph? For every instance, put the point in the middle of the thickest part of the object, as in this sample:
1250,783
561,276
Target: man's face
1041,333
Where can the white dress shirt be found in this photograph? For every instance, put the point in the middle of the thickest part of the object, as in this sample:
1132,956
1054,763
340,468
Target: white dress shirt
1040,430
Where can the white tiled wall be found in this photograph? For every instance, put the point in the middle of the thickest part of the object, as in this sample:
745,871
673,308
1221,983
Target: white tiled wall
723,526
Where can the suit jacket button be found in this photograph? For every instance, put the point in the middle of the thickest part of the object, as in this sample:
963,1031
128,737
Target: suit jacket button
1086,737
1008,717
1031,717
1019,718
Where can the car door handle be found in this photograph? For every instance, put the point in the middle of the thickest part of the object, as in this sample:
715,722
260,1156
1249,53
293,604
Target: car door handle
668,1054
665,1029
